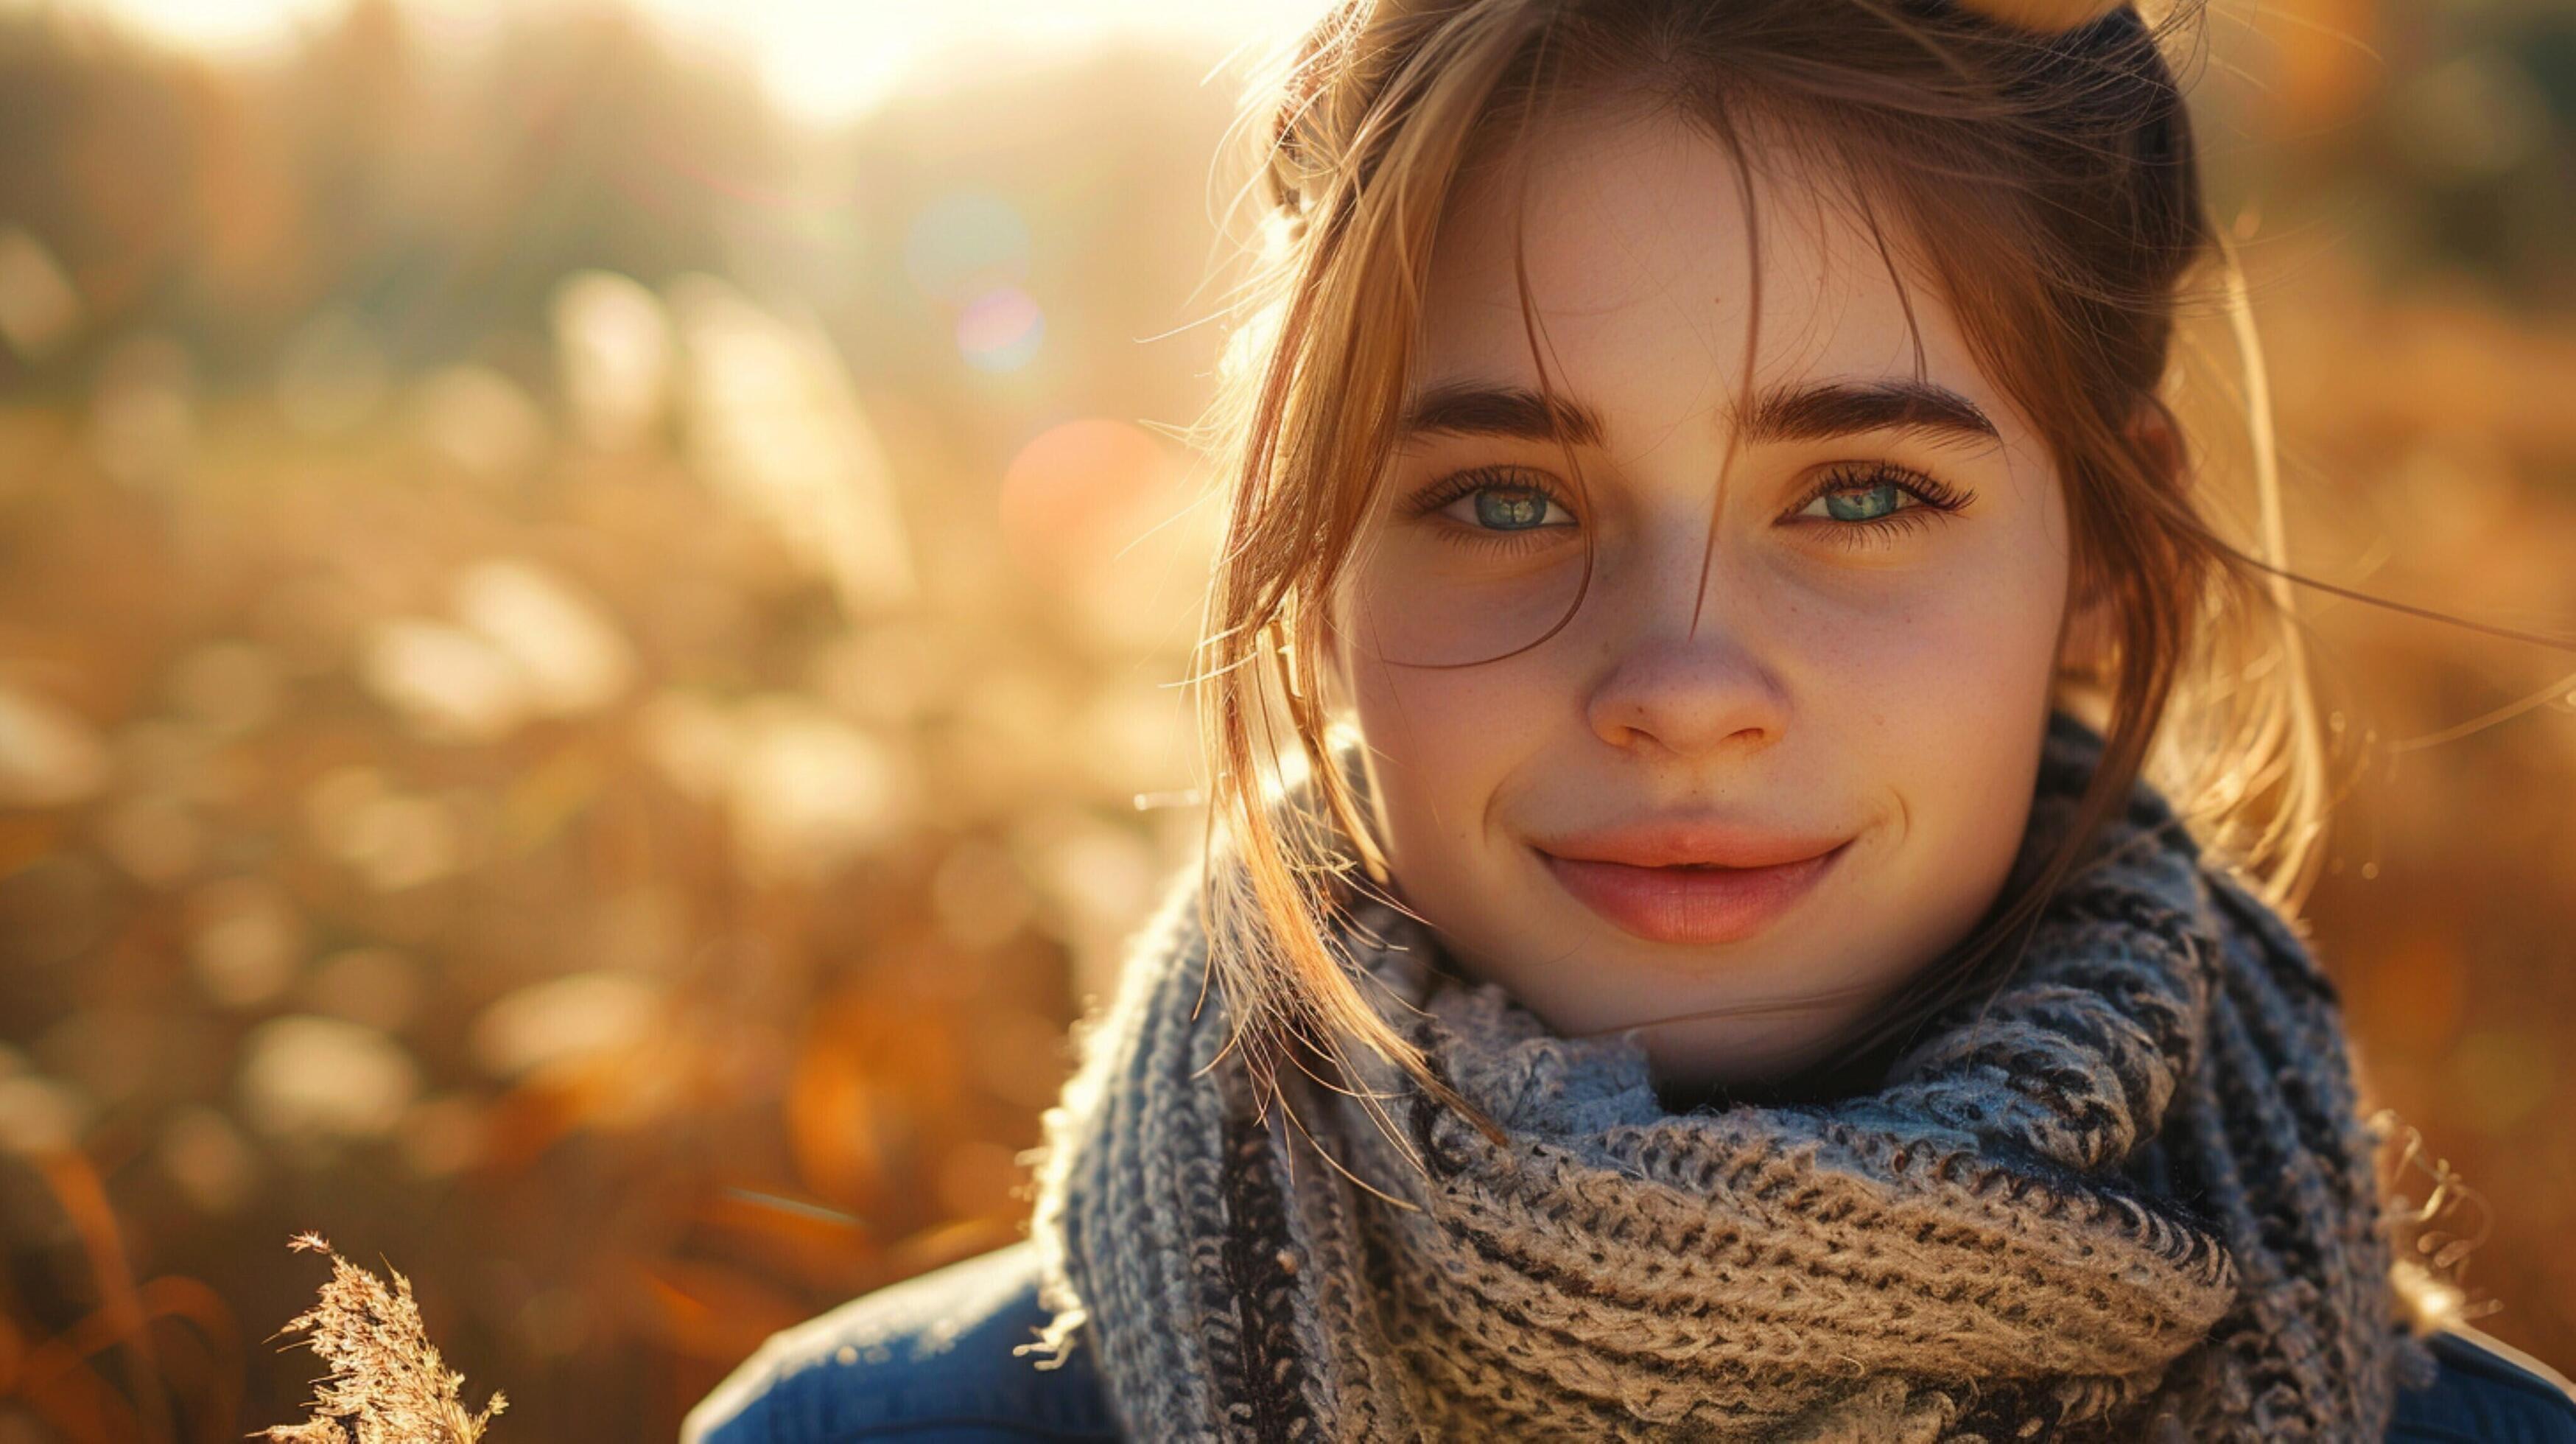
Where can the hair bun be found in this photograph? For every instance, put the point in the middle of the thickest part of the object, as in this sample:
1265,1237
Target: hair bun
2041,17
1325,50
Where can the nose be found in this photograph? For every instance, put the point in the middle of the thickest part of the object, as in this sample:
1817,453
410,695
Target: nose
1689,687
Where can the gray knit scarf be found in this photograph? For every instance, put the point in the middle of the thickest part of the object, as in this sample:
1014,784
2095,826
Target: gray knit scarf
2134,1200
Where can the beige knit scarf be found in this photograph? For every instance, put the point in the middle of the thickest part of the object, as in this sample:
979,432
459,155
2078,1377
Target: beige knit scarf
2134,1200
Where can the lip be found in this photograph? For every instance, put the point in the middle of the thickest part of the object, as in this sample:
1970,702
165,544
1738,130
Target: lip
1703,906
1699,840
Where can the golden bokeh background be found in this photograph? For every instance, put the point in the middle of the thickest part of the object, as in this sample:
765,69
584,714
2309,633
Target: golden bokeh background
585,620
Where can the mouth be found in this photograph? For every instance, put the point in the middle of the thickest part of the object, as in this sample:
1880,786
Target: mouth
1699,903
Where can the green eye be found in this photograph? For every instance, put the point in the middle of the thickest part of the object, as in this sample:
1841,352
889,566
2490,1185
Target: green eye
1510,508
1866,507
1853,504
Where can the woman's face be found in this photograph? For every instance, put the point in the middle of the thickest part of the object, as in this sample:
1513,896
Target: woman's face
1847,654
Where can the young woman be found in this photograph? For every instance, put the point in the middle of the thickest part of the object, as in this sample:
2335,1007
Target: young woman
1689,945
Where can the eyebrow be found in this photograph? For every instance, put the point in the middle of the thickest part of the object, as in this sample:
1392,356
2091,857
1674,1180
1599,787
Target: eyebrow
1804,413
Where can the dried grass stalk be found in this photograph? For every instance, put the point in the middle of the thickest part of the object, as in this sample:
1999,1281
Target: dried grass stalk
386,1384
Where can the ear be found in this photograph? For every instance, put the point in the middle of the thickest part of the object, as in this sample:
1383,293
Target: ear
2151,430
2084,643
1331,666
2091,616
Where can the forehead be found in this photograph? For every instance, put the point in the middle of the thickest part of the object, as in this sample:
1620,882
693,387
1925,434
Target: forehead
1633,231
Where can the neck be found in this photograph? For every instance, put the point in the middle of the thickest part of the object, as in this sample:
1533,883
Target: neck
1840,1073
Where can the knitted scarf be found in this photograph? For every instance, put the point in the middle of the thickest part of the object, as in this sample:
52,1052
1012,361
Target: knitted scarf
2132,1200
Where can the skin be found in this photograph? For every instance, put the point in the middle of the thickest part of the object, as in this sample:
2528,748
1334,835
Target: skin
1896,694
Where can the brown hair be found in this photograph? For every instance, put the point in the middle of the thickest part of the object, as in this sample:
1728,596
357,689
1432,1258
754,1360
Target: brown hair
2060,174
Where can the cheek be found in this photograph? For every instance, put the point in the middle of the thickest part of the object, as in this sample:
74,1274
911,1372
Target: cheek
1943,688
1944,660
1445,727
1444,744
1940,650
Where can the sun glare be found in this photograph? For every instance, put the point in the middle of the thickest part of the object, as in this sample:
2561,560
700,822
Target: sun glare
821,60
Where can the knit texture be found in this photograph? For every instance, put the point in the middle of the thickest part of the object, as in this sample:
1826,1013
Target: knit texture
2133,1199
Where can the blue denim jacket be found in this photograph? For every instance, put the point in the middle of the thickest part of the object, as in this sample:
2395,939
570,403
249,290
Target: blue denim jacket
930,1362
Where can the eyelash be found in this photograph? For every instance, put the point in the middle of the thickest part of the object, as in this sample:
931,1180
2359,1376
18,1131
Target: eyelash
1875,533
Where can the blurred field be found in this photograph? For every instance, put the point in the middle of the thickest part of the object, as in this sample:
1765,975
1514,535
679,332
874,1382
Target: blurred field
576,659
